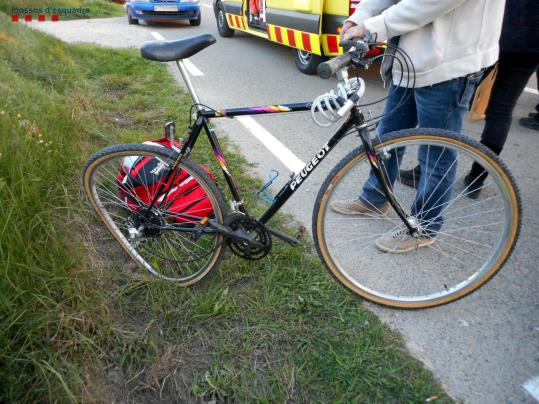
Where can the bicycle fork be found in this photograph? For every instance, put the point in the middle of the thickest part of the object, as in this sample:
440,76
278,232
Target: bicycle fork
376,165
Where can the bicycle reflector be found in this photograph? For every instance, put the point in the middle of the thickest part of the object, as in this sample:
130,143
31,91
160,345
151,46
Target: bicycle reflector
181,200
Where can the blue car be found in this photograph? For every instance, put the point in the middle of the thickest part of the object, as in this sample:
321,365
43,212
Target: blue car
163,10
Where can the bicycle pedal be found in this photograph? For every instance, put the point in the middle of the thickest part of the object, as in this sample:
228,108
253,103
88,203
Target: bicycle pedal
264,193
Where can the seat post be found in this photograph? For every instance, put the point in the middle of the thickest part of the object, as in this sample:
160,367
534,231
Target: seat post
188,83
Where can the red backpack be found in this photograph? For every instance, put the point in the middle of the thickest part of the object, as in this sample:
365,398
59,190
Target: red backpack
141,177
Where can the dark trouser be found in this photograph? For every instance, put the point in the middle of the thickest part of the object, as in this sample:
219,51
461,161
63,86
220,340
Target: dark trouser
443,106
514,72
537,106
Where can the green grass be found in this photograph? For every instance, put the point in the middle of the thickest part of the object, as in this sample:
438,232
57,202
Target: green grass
79,321
96,8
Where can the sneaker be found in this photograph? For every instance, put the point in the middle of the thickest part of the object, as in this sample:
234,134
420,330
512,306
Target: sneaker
530,123
356,207
400,242
475,189
410,177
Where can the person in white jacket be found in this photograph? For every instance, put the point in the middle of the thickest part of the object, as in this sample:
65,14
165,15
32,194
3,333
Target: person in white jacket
449,43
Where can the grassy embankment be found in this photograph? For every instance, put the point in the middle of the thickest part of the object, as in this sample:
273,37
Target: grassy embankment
79,322
97,8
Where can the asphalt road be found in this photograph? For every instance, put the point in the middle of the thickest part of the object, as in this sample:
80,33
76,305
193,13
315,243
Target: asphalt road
483,348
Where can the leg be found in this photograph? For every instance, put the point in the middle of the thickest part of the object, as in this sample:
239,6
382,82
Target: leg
404,117
514,71
439,106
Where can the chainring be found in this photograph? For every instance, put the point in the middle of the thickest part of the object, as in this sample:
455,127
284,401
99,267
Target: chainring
260,244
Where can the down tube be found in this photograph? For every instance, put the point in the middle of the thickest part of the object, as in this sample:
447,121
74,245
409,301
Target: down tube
298,179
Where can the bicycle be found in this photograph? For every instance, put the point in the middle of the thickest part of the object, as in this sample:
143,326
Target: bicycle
475,239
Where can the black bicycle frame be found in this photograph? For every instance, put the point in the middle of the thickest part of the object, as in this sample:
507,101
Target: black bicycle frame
355,121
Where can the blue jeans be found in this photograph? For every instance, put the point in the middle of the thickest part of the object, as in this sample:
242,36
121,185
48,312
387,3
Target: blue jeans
442,106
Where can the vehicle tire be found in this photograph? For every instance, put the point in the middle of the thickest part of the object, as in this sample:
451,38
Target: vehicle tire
307,62
130,20
222,24
196,21
164,242
475,240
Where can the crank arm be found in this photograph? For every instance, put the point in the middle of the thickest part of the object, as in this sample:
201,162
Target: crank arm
283,236
228,232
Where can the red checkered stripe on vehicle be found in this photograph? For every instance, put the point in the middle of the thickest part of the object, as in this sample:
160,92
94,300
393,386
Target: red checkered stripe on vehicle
236,21
296,39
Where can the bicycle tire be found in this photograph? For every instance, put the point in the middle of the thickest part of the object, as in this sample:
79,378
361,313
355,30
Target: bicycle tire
390,279
170,254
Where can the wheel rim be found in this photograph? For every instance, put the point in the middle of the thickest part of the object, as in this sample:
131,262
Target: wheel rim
304,57
221,18
170,255
429,275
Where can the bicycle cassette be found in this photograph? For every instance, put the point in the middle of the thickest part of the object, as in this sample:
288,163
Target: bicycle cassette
259,243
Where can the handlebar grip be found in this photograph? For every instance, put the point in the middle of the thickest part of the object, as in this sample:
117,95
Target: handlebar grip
327,69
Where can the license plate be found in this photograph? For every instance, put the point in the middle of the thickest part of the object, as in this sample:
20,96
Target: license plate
165,8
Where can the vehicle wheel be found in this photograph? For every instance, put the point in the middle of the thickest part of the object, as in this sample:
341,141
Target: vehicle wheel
196,22
164,241
474,241
222,24
131,21
307,62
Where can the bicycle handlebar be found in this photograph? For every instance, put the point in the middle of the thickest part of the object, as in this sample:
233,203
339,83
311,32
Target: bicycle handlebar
327,69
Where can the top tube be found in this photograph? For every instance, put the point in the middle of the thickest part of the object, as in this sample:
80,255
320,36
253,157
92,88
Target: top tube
259,110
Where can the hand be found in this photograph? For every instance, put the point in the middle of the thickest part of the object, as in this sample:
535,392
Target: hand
347,25
355,31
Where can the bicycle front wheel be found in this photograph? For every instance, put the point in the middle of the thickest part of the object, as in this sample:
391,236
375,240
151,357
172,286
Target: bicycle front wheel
468,226
169,240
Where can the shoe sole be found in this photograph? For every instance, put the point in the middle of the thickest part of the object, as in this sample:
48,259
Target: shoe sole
354,213
473,194
385,249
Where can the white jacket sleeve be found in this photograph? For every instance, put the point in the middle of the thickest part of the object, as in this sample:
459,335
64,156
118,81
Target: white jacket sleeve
369,8
407,15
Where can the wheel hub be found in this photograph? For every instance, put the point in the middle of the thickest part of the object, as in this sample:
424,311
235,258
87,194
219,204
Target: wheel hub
139,225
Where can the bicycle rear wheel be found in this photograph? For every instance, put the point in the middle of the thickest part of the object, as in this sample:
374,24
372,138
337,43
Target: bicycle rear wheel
164,240
472,240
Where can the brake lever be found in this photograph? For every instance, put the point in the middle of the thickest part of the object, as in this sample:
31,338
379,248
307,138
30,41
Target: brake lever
358,45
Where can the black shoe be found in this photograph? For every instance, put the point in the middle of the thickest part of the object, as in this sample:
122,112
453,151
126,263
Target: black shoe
473,190
530,123
534,115
410,177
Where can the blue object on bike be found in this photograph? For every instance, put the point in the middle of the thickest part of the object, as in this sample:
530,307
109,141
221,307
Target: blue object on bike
264,194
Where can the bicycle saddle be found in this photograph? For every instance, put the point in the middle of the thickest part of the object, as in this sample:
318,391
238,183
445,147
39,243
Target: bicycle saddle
166,51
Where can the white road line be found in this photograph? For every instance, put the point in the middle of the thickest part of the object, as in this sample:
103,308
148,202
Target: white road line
191,68
279,150
157,36
532,386
531,90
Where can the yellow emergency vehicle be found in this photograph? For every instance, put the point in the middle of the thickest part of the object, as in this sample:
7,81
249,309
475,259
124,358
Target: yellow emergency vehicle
311,27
